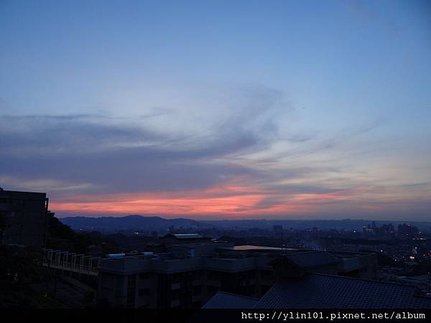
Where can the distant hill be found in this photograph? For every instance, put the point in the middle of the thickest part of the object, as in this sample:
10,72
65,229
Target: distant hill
155,223
126,223
62,237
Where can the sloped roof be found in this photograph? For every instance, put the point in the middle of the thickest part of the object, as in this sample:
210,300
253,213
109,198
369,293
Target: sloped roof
227,300
327,291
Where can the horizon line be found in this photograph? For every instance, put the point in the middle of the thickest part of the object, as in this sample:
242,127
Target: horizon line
229,220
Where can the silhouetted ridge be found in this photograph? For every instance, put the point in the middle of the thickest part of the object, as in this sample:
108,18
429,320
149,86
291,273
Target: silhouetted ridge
127,223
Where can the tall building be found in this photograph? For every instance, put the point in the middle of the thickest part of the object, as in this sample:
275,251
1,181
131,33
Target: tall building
407,231
23,218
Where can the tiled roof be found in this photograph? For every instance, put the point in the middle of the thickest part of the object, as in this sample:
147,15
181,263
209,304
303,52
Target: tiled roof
326,291
227,300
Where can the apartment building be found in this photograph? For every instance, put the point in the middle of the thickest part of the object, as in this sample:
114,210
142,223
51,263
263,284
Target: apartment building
189,274
23,217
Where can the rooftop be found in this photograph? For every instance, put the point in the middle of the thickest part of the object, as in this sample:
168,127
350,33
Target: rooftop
320,291
22,194
327,291
227,300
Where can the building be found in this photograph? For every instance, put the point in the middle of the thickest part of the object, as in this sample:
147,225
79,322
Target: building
407,231
23,218
297,288
187,275
320,291
180,278
183,238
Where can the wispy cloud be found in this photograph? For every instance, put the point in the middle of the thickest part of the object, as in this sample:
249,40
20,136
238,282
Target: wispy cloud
127,154
43,185
241,158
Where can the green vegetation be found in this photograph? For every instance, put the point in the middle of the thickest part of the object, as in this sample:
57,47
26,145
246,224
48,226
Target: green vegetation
62,237
25,283
21,276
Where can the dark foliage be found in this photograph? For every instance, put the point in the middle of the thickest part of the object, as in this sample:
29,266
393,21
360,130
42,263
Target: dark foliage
62,237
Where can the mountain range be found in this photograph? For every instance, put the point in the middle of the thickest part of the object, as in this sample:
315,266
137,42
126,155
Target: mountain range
126,223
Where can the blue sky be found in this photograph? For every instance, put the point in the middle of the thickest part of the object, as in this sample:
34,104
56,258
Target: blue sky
219,109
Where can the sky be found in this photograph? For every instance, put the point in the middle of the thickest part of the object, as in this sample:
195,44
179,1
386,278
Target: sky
218,109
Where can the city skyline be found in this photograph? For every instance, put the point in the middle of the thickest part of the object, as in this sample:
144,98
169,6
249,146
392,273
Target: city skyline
227,110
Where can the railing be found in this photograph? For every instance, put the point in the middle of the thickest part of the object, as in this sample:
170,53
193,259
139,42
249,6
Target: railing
72,262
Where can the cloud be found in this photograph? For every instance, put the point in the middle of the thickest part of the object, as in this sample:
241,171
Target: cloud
116,154
67,135
46,184
240,157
